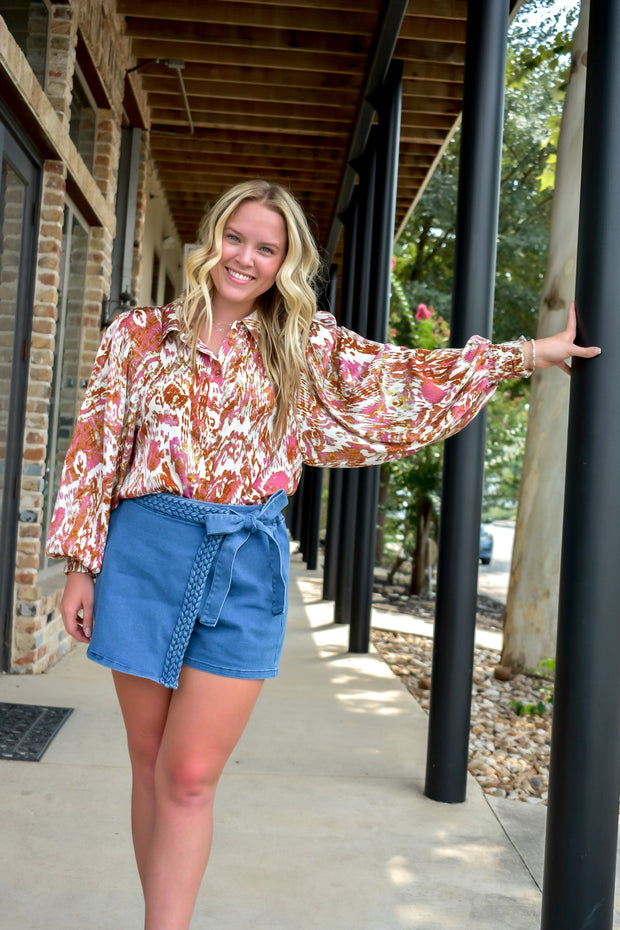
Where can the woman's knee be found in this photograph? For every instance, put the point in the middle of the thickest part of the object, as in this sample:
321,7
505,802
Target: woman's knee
188,782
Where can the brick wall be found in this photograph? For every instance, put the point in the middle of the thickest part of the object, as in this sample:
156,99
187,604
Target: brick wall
37,642
88,31
61,60
38,634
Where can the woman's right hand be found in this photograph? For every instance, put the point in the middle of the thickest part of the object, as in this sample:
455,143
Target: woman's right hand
76,606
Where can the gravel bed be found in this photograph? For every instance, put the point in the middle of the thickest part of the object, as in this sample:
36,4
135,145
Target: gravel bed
509,753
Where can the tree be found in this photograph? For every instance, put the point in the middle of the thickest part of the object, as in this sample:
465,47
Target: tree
531,610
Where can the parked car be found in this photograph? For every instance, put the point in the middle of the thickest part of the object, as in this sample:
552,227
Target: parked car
486,545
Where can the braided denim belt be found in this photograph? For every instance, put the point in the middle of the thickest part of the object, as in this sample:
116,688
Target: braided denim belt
227,527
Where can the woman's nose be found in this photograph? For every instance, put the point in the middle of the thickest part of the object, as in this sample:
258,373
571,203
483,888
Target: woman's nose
244,254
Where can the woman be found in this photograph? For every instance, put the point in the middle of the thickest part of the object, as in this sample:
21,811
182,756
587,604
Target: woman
195,425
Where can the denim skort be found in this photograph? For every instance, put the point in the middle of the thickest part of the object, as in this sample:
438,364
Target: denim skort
185,582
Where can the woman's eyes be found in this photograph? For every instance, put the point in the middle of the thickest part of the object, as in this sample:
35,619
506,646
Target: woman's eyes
233,237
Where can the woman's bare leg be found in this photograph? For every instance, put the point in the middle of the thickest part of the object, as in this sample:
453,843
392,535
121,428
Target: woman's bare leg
206,717
144,705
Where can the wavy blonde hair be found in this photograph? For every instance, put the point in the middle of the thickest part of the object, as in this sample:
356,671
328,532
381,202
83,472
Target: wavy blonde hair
285,311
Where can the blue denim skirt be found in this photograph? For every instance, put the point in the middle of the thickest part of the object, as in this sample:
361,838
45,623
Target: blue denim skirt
185,582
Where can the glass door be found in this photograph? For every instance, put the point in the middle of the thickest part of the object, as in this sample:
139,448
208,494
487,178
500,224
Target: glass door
19,193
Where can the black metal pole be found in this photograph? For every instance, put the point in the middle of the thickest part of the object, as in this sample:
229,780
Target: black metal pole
582,819
364,259
362,278
472,308
384,212
346,563
312,516
332,533
297,508
337,518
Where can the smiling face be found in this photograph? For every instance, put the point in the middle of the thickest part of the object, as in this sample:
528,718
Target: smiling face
254,245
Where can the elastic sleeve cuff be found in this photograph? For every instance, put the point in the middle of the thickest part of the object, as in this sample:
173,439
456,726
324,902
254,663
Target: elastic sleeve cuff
528,356
74,565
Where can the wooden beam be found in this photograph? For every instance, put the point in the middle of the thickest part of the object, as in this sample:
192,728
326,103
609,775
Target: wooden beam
414,87
201,161
331,21
413,104
426,150
425,70
244,37
449,9
414,119
208,54
425,29
326,97
162,119
204,140
199,184
423,136
203,108
421,50
239,72
368,7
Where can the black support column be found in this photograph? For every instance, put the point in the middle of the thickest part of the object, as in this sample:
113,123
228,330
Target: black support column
359,321
339,563
472,308
313,477
388,105
582,820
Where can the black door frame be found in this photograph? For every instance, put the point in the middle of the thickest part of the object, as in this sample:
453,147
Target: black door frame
17,152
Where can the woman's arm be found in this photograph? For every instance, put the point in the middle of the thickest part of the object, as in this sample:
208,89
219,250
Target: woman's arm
78,596
554,350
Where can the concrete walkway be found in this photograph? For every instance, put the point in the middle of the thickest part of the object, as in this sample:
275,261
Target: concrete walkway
321,821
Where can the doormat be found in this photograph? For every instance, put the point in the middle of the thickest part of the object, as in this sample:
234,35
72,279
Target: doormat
26,730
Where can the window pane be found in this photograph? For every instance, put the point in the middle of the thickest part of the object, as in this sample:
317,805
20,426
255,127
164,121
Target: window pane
12,191
83,124
27,21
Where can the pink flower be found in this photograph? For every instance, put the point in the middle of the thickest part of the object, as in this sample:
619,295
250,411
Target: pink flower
423,313
393,262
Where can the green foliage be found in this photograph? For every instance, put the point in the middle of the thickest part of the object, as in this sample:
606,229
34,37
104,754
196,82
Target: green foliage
531,710
540,708
538,67
506,431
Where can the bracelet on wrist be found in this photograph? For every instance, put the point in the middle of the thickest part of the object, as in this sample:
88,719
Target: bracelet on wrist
529,355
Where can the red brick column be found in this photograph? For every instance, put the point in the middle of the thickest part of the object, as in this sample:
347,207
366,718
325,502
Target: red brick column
37,642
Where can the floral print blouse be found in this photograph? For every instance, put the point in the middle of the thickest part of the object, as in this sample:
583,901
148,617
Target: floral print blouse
151,421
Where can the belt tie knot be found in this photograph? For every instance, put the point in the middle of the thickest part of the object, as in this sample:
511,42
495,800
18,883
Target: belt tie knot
235,529
251,524
226,530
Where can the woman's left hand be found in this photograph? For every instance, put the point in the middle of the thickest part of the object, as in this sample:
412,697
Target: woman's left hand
554,350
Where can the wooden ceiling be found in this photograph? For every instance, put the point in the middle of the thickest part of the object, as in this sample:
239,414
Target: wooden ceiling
274,90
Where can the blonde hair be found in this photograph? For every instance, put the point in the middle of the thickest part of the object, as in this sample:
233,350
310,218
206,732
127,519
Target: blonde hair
285,311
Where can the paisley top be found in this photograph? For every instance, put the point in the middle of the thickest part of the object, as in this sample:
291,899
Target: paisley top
151,421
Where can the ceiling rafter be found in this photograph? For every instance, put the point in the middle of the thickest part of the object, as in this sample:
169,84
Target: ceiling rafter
277,89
